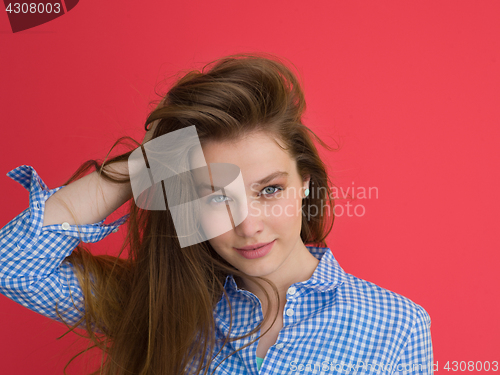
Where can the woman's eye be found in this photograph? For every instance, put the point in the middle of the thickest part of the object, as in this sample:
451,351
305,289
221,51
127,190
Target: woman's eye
217,199
273,189
268,190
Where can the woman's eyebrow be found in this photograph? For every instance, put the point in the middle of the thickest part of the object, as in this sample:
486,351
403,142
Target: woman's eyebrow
271,177
263,181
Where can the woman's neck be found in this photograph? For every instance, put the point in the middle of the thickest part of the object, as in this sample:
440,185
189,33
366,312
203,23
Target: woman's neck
303,264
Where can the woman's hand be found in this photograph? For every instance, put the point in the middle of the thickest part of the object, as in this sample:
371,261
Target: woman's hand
150,132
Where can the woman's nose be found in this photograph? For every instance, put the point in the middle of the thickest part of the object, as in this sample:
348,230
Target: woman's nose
253,223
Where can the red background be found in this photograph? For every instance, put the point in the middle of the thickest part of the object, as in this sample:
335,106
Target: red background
409,88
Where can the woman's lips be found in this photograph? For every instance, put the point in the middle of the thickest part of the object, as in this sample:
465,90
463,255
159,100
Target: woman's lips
253,247
256,253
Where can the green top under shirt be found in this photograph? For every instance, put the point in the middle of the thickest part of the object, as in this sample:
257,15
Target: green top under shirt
259,362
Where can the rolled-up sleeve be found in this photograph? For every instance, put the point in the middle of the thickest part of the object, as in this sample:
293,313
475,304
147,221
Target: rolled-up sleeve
32,268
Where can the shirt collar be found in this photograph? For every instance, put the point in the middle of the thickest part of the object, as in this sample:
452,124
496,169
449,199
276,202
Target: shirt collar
327,275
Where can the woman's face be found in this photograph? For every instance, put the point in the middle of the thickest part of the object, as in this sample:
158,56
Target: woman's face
274,206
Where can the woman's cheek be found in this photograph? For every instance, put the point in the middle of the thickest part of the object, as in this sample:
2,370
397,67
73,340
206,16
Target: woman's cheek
286,209
215,222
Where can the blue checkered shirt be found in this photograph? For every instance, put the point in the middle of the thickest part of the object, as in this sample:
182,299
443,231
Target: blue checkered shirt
333,323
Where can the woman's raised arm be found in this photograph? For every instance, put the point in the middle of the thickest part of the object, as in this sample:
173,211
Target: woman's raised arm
34,245
87,200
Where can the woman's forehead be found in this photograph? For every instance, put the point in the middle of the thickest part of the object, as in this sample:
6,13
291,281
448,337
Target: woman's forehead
256,156
252,148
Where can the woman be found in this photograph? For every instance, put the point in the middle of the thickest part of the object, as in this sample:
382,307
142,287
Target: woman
194,294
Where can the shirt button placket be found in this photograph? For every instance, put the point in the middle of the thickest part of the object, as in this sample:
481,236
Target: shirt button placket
289,312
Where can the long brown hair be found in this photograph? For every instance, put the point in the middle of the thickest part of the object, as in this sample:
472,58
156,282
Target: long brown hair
152,313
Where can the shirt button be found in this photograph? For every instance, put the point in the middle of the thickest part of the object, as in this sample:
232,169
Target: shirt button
115,230
279,346
36,205
18,248
292,290
289,312
65,226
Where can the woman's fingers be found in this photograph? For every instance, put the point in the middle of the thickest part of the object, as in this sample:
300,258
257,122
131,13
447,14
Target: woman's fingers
150,131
